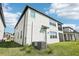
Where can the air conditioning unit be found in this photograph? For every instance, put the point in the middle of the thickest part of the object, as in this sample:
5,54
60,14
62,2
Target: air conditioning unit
39,45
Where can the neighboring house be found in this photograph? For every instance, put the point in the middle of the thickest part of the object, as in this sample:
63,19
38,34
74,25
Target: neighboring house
2,23
8,36
34,27
70,34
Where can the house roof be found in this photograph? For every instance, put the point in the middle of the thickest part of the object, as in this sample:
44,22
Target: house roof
70,28
37,11
1,14
71,32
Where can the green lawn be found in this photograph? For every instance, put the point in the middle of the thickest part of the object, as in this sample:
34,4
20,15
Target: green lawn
65,48
56,49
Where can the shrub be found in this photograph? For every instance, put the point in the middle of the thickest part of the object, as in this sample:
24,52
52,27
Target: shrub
27,48
24,48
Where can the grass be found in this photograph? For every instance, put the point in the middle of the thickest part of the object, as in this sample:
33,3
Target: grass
10,48
65,48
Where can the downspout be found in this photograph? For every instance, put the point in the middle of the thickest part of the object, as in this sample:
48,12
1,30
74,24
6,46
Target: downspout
46,37
23,30
31,32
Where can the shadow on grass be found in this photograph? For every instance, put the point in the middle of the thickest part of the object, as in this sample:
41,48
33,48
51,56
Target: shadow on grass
9,44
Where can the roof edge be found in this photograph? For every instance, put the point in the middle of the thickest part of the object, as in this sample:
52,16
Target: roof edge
70,28
25,9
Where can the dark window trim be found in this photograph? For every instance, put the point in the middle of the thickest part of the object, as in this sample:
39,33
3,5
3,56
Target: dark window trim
53,24
52,36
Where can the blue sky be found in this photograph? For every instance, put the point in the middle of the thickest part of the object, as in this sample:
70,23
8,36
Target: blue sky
68,14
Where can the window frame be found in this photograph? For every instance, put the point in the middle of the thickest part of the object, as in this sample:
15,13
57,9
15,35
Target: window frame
53,35
52,24
32,13
18,35
21,35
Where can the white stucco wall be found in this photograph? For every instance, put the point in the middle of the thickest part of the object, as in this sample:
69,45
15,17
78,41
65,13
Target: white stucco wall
26,34
38,21
1,29
18,30
54,29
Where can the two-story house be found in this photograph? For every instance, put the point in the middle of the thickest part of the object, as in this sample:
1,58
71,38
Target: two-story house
70,34
37,28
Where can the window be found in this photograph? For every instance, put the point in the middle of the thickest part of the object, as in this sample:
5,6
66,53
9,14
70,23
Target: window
53,35
18,35
32,13
54,24
60,27
21,35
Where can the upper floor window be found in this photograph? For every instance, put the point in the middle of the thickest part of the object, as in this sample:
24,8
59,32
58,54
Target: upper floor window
60,27
53,24
32,13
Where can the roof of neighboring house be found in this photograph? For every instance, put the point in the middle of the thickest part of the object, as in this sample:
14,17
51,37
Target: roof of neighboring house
37,11
70,28
1,14
71,32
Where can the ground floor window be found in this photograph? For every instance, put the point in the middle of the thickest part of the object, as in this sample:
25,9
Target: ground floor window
21,35
18,35
53,34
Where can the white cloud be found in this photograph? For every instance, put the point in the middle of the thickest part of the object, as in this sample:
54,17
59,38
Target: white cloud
6,7
70,25
10,18
69,10
74,26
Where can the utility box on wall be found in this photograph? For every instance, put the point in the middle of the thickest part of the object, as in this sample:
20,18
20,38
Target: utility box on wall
39,45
